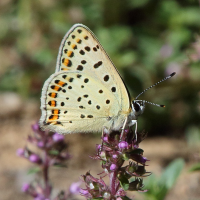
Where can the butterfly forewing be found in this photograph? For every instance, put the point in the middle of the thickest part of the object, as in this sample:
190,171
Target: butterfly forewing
83,68
81,50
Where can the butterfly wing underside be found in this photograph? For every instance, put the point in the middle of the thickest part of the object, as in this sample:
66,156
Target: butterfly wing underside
86,92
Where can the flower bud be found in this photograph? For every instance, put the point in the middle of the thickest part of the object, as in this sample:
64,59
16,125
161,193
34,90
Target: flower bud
41,197
105,138
57,137
40,144
106,195
35,127
74,188
103,155
84,191
114,156
25,187
20,152
34,158
123,145
113,167
91,185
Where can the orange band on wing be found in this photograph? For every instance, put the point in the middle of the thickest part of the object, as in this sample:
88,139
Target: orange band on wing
74,46
61,83
55,112
70,53
52,103
56,88
66,62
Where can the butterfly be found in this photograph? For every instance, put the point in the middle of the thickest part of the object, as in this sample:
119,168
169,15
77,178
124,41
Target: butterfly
86,93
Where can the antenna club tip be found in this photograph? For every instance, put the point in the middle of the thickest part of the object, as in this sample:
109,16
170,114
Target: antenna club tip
172,74
163,106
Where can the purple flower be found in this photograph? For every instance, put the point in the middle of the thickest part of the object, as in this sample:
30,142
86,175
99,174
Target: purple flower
113,167
20,152
35,127
105,138
144,159
114,156
57,137
25,187
123,145
40,144
74,188
83,191
40,197
34,158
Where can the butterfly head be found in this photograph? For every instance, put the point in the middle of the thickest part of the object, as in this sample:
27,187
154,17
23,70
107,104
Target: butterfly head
138,107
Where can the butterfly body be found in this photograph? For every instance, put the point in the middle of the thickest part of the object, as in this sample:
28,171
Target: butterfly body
86,93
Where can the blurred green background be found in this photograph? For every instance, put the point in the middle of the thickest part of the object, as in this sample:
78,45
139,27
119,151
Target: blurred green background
146,39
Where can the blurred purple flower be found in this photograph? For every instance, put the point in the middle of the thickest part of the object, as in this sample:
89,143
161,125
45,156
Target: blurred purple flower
51,154
35,127
40,144
173,67
74,188
20,152
166,51
123,145
25,187
41,197
57,137
34,158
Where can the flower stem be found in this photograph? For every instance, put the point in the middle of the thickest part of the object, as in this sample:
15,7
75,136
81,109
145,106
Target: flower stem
113,178
47,189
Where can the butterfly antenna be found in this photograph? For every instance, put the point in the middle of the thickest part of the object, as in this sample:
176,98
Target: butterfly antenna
155,104
164,79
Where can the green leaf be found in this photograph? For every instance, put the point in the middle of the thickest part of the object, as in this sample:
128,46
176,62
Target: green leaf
158,188
195,167
53,152
125,198
124,182
60,165
34,170
171,173
137,151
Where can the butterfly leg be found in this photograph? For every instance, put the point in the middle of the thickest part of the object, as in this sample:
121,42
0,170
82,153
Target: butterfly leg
134,122
123,128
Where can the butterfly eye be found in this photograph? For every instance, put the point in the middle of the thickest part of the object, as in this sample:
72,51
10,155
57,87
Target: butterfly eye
136,106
